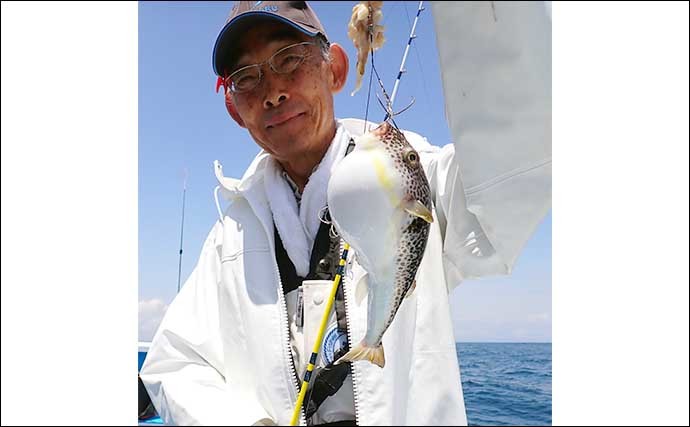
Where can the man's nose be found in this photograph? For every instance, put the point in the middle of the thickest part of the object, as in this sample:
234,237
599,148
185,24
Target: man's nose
275,92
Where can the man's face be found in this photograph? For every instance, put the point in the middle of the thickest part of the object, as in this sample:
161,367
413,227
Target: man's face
288,115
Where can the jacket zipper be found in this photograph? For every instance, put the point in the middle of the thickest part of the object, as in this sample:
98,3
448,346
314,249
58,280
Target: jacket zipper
286,344
353,368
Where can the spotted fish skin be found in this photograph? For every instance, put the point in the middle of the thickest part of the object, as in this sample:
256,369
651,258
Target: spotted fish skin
391,180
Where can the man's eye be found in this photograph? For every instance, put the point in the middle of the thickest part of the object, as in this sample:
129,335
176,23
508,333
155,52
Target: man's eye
244,80
289,62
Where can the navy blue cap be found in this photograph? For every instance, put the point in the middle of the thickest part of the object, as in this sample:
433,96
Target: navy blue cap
297,14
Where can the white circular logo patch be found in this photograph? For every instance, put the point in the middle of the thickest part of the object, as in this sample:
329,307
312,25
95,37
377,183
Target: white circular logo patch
334,341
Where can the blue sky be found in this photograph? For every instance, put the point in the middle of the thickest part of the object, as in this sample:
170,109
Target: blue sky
183,126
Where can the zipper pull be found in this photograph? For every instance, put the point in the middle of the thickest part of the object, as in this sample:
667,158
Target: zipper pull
299,317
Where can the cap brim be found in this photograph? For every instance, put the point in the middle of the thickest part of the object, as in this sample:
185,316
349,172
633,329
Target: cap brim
228,34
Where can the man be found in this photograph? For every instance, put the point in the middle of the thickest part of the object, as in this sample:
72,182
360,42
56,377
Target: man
233,345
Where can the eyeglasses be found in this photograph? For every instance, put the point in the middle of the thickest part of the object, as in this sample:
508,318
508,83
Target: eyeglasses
284,61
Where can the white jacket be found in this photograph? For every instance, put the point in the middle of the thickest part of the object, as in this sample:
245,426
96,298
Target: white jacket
221,355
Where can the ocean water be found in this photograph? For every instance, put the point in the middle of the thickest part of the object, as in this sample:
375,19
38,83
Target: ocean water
142,356
506,383
503,383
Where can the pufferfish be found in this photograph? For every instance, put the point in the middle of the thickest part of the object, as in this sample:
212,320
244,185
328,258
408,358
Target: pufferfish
380,203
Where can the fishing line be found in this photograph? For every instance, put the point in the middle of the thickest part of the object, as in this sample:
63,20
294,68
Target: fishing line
371,75
390,99
389,105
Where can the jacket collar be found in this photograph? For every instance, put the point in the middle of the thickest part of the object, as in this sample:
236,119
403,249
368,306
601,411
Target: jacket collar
233,188
250,186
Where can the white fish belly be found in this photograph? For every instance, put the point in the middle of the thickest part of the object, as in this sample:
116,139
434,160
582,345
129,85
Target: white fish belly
364,205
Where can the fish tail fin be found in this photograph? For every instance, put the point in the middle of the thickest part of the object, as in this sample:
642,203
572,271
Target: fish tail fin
362,352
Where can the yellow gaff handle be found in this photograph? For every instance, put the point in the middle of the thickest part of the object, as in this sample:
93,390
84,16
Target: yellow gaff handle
319,337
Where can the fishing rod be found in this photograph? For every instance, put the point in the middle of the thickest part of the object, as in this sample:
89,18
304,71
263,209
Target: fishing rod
319,336
179,265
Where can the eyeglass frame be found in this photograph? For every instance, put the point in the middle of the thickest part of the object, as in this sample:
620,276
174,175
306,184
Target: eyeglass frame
226,82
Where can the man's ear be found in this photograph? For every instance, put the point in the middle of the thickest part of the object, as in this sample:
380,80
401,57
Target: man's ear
232,109
340,65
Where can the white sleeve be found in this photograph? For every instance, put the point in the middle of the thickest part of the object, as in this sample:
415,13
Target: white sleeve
493,185
183,370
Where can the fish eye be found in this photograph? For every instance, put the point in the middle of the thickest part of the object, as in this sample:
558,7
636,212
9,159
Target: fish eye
411,157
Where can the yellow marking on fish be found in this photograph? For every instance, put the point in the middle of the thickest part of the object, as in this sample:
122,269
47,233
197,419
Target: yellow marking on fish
384,179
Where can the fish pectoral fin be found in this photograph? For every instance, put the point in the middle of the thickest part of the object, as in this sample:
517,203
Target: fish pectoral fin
411,289
417,208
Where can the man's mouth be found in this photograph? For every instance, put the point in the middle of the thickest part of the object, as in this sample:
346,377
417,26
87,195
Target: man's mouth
281,119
